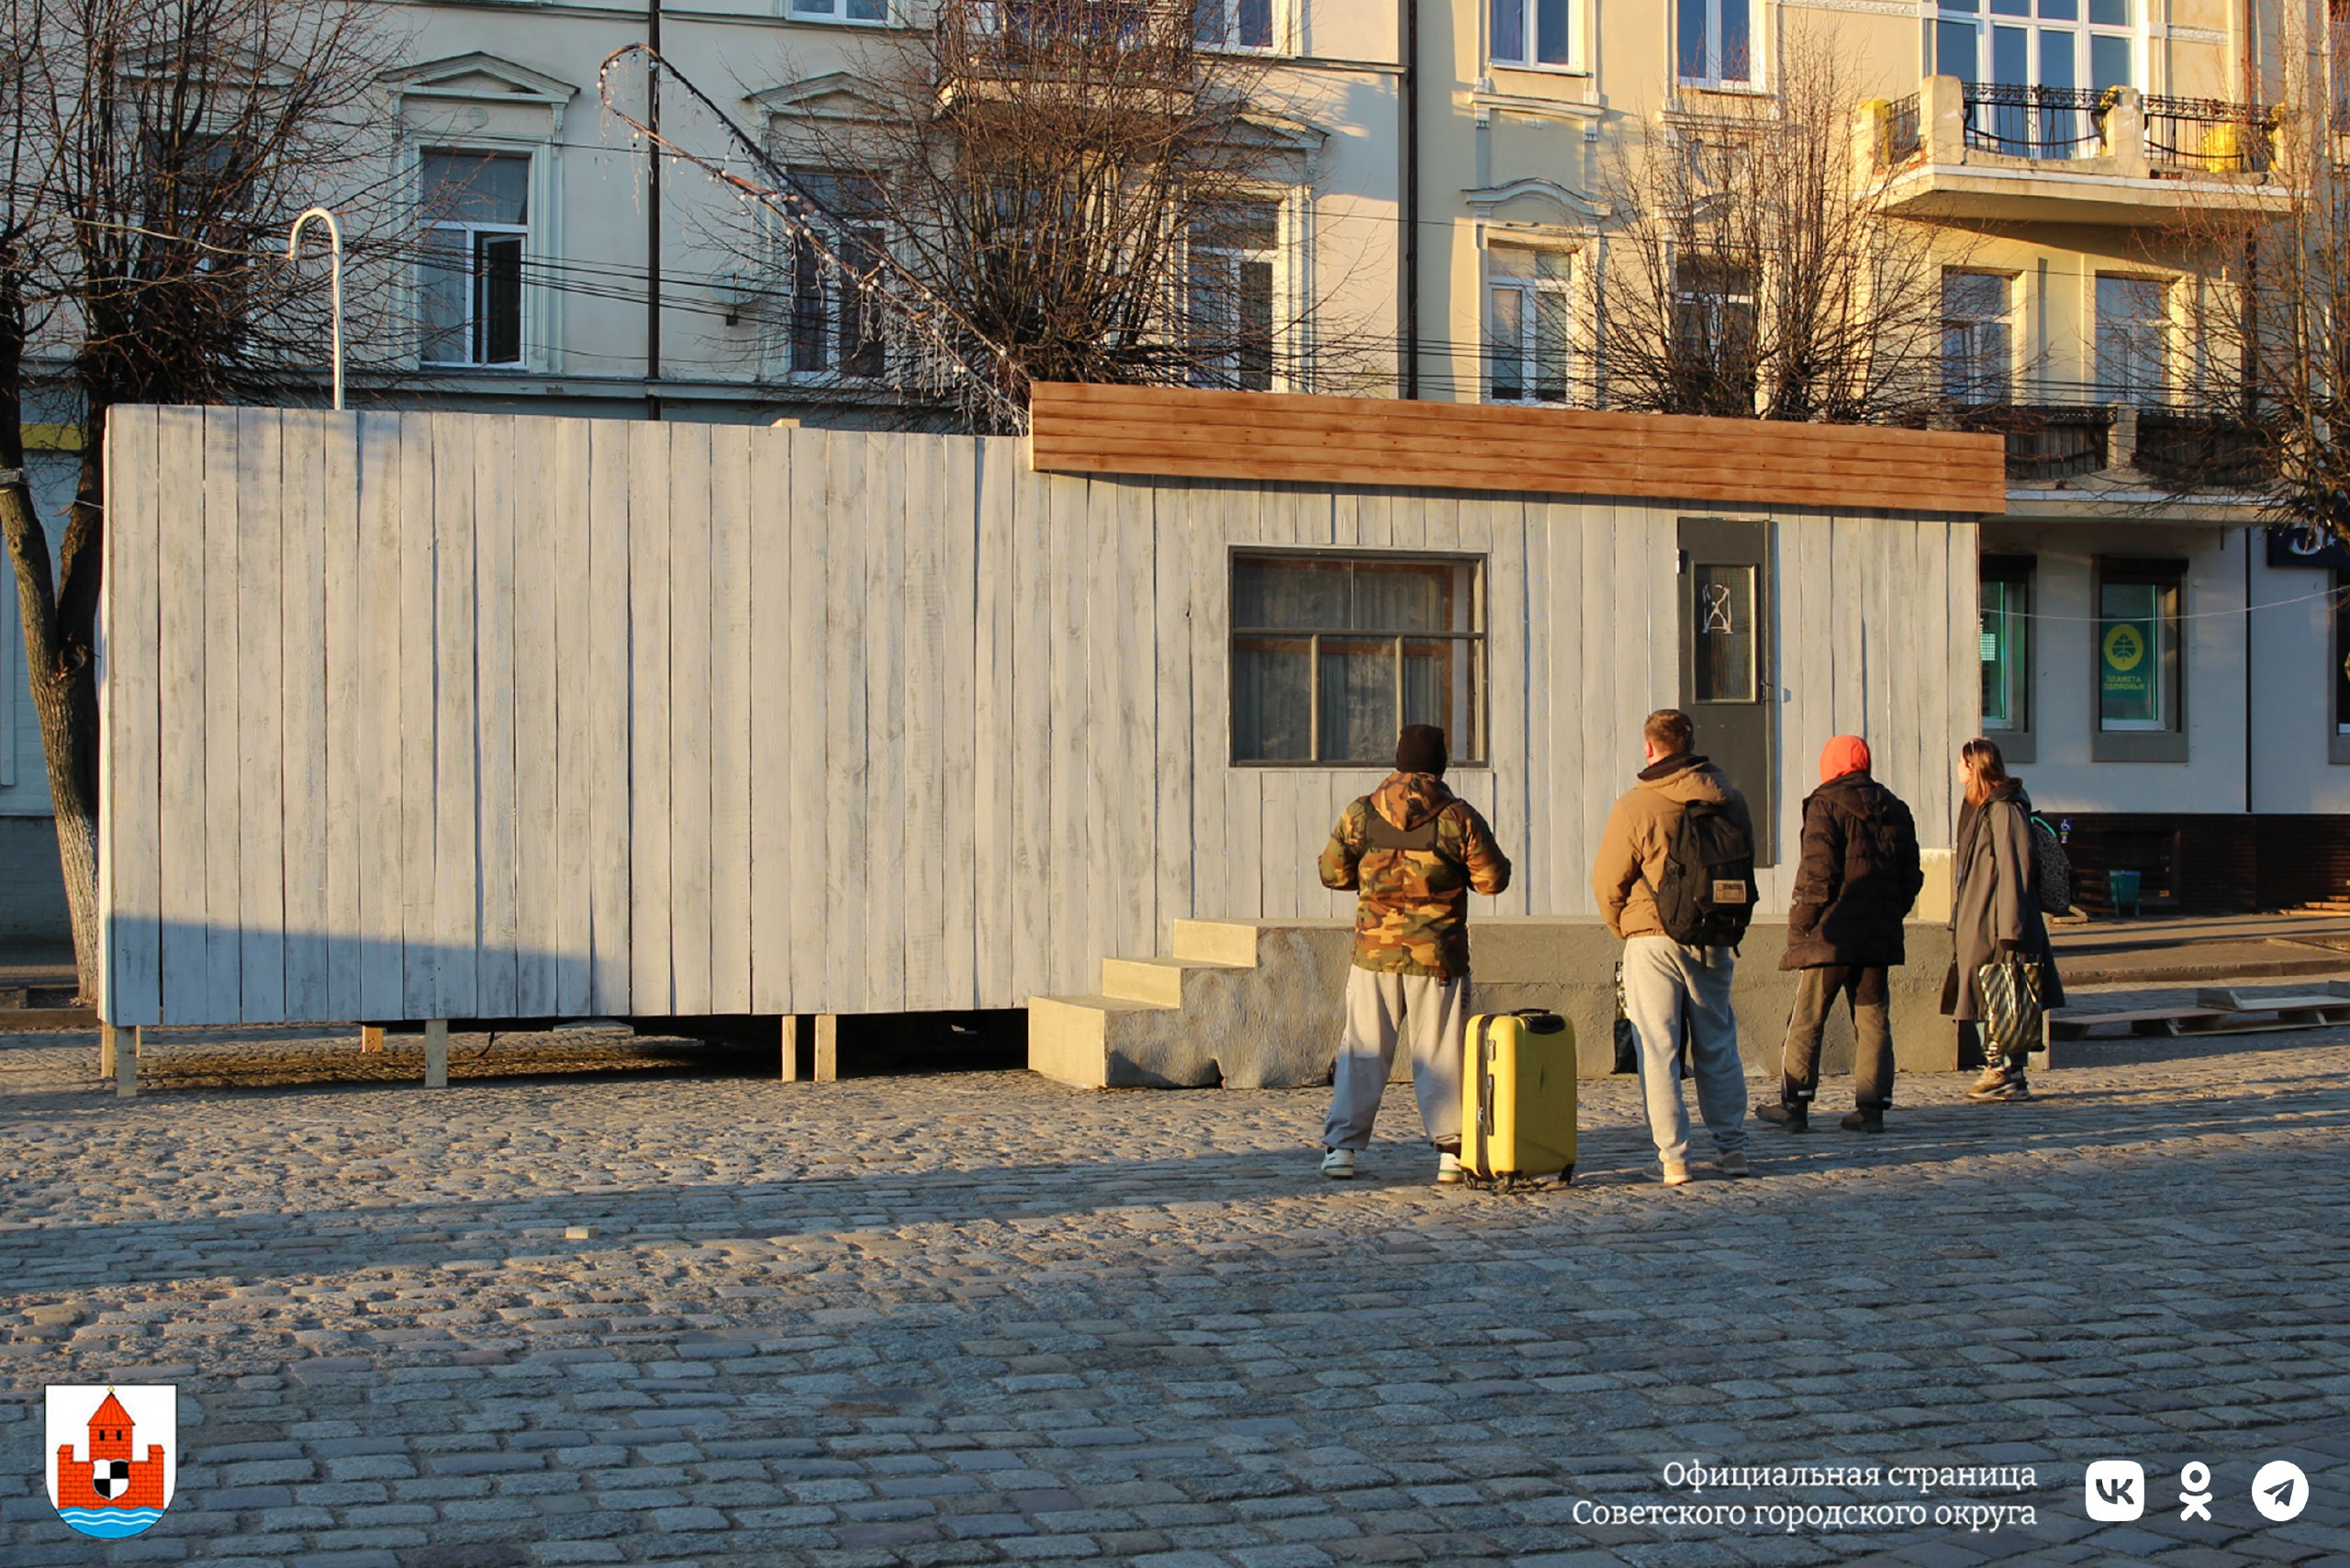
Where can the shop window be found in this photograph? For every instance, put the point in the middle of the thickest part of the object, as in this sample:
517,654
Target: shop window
476,223
1532,32
1331,654
2006,637
2140,660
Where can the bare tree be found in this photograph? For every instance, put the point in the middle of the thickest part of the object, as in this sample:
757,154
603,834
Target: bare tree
151,153
1759,272
2269,235
1078,190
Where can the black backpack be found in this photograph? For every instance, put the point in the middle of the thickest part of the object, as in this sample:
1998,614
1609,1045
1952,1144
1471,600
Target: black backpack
1707,896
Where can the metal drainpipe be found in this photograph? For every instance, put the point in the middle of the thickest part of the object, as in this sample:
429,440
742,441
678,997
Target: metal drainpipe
653,215
1411,198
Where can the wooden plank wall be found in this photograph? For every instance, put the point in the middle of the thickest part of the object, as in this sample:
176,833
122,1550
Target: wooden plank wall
1161,430
424,715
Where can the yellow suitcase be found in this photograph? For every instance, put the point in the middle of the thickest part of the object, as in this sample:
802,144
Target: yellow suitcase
1517,1099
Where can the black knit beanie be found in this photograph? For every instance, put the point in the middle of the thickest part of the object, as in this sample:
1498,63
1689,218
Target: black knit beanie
1420,749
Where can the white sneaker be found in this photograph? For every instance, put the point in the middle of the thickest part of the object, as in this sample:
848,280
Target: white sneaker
1447,1168
1677,1174
1338,1164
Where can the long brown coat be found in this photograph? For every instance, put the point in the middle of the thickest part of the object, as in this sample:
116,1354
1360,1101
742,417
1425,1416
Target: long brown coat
1998,902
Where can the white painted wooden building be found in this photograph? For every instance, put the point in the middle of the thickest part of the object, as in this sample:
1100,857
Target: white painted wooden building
420,716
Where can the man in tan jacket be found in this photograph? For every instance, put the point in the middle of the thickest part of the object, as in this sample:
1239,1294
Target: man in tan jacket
1665,980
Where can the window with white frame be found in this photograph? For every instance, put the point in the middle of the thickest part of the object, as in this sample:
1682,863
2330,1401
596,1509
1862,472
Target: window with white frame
1528,309
1714,317
1235,260
1332,653
1532,32
2037,43
1978,346
2133,339
1233,24
1714,43
830,328
476,225
839,10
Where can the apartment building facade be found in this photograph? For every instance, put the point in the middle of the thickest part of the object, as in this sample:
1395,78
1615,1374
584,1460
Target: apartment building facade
2166,676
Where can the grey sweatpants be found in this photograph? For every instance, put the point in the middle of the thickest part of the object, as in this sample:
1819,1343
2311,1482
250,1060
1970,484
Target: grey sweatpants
1429,1016
1662,979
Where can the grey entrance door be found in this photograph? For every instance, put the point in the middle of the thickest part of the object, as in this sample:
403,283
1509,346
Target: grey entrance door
1726,678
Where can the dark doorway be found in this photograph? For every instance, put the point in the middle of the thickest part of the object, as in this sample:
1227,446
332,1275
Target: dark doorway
1728,673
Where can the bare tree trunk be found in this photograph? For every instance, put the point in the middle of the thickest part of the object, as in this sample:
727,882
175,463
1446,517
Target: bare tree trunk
65,697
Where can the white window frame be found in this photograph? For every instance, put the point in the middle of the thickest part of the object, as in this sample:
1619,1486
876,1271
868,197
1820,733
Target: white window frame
2165,324
1713,79
1531,290
2082,28
785,242
1283,315
1276,29
834,14
1527,38
2006,321
471,230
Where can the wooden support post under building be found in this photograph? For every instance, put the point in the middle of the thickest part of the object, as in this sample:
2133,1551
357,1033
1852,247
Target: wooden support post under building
105,1050
126,1063
828,1049
436,1053
371,1039
788,1038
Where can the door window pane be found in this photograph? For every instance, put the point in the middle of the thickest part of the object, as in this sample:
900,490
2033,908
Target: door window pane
2137,654
1332,653
2007,654
1724,625
2132,339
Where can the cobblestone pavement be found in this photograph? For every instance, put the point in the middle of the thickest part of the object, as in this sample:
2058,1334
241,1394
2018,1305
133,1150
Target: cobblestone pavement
981,1319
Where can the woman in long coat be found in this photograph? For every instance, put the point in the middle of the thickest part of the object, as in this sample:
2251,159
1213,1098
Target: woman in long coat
1996,910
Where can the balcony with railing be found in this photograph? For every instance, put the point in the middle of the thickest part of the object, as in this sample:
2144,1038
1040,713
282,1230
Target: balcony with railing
1076,41
1975,150
2124,446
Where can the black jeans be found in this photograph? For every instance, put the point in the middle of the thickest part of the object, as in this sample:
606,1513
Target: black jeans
1816,993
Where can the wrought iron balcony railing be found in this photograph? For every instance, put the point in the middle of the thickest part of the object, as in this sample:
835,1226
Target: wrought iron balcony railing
2035,122
2208,136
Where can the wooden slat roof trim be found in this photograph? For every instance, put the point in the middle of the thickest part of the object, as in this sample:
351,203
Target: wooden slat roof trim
1383,442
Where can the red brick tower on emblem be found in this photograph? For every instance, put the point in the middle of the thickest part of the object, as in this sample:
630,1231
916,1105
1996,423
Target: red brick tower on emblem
110,1478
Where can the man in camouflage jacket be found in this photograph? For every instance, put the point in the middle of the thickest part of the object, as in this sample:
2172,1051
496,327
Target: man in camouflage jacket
1413,850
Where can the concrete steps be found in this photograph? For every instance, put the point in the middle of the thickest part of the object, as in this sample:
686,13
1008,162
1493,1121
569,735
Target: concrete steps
1242,1003
1254,1004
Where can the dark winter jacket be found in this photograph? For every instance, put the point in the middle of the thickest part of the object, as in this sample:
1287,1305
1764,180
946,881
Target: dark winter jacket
1859,876
1995,904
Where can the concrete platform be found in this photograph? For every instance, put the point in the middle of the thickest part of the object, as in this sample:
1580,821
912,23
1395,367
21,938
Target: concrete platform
1254,1004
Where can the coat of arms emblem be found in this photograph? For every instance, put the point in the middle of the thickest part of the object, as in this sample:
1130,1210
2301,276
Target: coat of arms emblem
113,1456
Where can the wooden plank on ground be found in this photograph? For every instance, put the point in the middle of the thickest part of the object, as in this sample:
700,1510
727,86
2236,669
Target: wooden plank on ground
496,602
929,520
539,894
606,715
566,535
129,793
729,719
260,781
314,794
418,655
772,574
183,446
457,841
652,991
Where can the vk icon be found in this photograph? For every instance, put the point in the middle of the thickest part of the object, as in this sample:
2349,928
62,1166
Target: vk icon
2116,1491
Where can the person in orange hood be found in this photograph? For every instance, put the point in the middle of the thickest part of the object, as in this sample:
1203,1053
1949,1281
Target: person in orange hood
1859,874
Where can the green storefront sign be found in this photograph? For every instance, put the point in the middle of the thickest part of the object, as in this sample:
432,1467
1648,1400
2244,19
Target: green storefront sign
2126,668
